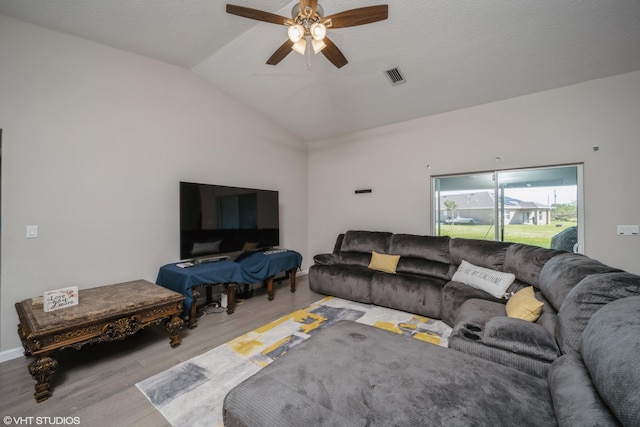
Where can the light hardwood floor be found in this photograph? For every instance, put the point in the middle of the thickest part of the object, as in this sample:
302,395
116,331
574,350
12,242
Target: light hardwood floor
97,382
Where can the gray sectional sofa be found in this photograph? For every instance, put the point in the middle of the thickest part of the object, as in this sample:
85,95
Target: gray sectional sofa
578,363
571,286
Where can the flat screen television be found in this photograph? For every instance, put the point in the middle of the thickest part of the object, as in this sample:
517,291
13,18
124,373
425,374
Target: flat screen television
216,219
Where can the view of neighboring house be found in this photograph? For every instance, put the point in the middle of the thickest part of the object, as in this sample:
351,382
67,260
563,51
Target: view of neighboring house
479,207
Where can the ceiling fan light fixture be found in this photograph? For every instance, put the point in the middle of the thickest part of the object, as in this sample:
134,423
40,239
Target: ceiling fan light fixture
295,33
318,45
304,36
300,46
318,31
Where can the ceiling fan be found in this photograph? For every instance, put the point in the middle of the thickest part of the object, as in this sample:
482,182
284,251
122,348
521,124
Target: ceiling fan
308,28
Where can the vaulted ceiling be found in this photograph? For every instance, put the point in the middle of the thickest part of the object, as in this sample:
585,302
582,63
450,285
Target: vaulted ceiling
453,54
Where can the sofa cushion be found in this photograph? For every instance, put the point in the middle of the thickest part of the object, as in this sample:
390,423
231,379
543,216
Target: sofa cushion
384,262
491,281
406,292
454,294
365,241
423,267
326,259
575,400
432,248
611,352
422,255
355,258
526,261
524,305
548,316
483,253
562,272
357,246
344,281
585,299
477,312
521,337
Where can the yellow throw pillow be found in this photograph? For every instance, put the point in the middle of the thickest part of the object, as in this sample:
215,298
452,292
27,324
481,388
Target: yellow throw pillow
524,305
383,262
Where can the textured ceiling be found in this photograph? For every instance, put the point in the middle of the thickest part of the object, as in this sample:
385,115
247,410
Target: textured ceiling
454,54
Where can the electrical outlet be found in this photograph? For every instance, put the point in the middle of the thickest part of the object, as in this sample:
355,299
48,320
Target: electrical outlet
627,230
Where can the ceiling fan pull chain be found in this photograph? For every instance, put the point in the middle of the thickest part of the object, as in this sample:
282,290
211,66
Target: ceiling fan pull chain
307,52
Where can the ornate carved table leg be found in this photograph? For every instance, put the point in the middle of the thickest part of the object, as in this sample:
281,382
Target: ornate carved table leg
173,326
40,369
292,279
231,297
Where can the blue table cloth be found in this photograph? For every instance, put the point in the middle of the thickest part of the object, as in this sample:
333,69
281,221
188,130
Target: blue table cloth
183,280
249,268
259,266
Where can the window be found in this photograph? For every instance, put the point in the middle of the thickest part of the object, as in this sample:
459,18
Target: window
537,206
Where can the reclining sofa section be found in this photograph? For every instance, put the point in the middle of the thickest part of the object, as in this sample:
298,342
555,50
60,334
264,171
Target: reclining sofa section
422,271
571,286
422,282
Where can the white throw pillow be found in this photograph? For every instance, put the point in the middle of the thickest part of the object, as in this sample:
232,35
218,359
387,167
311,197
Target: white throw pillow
486,279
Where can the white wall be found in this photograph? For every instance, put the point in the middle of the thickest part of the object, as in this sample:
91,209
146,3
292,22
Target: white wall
95,142
548,128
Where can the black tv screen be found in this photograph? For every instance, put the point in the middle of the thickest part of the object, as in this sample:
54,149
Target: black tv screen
216,219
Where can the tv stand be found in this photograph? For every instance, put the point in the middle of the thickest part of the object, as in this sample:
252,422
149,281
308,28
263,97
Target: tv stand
263,266
291,274
186,280
256,267
229,288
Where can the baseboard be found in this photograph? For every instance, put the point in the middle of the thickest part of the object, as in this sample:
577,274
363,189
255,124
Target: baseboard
12,353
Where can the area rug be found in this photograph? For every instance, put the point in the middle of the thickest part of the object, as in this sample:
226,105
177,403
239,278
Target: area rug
191,393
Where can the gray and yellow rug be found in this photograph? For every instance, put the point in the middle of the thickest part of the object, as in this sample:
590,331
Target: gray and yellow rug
191,393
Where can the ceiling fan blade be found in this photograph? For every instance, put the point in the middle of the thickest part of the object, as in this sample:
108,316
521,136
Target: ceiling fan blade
258,15
313,4
333,54
359,16
280,53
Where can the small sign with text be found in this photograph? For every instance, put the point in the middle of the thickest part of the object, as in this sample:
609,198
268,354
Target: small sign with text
60,298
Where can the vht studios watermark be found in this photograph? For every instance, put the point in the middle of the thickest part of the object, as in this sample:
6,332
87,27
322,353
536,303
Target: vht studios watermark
40,421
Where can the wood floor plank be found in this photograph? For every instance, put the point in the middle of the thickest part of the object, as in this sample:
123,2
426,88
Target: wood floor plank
97,383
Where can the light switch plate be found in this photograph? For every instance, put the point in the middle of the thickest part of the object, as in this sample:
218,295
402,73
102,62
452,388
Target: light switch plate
627,230
32,231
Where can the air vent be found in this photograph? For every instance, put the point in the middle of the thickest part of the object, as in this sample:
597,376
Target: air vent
395,76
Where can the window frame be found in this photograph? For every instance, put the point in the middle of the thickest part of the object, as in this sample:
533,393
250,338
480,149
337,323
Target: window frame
500,211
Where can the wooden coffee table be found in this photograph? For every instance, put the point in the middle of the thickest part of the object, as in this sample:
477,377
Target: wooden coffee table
103,314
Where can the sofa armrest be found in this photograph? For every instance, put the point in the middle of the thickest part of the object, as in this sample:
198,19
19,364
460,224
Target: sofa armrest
575,398
326,259
521,337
